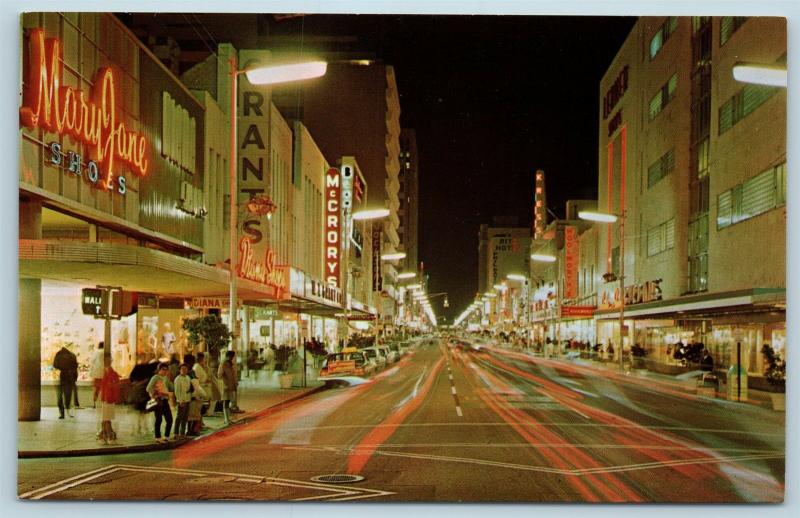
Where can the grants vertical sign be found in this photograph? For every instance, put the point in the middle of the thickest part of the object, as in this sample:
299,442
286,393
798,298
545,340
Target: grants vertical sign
95,121
333,226
252,135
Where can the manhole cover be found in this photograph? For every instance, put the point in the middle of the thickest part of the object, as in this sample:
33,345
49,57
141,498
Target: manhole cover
337,479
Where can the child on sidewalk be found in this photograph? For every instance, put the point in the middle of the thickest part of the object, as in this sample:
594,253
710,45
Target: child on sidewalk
109,395
183,397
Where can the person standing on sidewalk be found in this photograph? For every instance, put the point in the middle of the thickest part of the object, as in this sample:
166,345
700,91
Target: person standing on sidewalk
204,381
227,373
160,389
183,397
67,364
97,371
109,395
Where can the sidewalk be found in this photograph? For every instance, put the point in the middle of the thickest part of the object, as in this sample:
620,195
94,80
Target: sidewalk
75,436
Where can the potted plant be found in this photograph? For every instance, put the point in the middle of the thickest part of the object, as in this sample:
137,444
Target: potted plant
775,372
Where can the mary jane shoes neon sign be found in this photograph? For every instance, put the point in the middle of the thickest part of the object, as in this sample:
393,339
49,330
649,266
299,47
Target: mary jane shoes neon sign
63,110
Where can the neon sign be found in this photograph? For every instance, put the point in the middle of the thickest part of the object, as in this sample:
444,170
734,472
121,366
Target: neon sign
333,221
264,272
61,109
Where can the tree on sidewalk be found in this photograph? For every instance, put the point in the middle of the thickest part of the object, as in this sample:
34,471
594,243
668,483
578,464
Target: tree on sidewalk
210,330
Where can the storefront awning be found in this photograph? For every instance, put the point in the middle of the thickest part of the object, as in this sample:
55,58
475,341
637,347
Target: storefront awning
702,303
134,268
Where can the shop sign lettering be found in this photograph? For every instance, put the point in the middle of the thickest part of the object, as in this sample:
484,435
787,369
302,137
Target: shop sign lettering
333,225
615,93
264,272
570,262
326,292
649,291
208,302
49,105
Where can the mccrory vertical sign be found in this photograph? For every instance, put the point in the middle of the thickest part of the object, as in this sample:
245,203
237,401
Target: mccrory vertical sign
333,226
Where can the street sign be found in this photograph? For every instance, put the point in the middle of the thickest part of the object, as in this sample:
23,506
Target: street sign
94,301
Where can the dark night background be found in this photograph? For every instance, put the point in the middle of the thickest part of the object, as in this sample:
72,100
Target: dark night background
492,98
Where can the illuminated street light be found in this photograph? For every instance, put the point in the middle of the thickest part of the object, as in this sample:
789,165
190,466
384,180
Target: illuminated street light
407,275
490,294
364,215
600,217
756,73
413,287
274,74
543,258
394,257
516,277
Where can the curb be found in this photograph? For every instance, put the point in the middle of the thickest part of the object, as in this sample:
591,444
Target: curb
144,448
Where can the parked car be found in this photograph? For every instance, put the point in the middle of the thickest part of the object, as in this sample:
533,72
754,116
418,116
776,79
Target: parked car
349,362
391,356
375,356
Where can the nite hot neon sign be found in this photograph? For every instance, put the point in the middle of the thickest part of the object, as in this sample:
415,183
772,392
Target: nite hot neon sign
61,109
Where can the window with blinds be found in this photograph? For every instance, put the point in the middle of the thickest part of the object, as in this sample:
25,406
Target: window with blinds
661,36
742,104
660,168
665,94
728,25
661,238
753,197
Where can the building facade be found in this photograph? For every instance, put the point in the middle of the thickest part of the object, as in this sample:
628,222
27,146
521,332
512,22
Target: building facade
696,162
408,213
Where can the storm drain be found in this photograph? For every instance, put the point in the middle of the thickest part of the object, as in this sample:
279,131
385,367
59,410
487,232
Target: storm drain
337,479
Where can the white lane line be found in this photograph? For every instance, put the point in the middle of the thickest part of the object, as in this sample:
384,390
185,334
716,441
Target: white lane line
67,480
450,376
453,390
71,484
458,411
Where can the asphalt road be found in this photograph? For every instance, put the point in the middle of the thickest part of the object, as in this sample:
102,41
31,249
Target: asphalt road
451,425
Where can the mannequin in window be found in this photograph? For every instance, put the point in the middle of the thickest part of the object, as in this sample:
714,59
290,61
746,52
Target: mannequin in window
167,339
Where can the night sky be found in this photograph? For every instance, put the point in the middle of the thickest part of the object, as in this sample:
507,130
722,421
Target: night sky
492,98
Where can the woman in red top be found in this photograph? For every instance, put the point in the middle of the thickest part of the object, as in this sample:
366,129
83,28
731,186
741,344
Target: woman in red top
109,395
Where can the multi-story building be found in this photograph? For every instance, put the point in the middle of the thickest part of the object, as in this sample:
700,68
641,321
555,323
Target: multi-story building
696,162
408,213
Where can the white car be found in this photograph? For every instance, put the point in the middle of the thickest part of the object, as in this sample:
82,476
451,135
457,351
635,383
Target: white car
391,356
375,356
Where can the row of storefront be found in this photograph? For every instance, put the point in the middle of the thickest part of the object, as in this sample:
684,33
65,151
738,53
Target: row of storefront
732,326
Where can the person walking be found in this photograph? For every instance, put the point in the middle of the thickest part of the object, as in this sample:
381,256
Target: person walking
160,388
183,396
139,377
97,370
203,376
109,395
67,365
227,373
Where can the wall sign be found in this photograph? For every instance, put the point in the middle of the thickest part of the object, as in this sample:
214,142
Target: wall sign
333,226
49,105
570,262
209,302
540,206
325,292
577,311
264,272
649,291
252,129
377,276
615,93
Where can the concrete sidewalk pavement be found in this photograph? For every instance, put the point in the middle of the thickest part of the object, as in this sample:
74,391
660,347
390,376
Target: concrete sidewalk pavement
75,436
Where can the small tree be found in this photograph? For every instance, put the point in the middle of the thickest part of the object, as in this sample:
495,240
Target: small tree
211,330
776,368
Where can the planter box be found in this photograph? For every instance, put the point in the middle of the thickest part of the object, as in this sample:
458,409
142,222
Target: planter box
285,380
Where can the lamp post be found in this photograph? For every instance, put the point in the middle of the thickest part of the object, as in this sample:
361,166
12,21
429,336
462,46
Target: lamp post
602,217
274,74
362,215
547,258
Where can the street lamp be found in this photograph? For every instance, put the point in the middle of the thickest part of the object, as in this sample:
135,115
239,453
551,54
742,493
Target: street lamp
393,257
406,275
547,258
760,74
602,217
267,75
362,215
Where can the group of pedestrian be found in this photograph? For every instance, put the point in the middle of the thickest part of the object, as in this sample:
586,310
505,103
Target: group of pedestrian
192,387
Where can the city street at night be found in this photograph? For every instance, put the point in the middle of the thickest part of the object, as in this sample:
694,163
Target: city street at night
451,424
